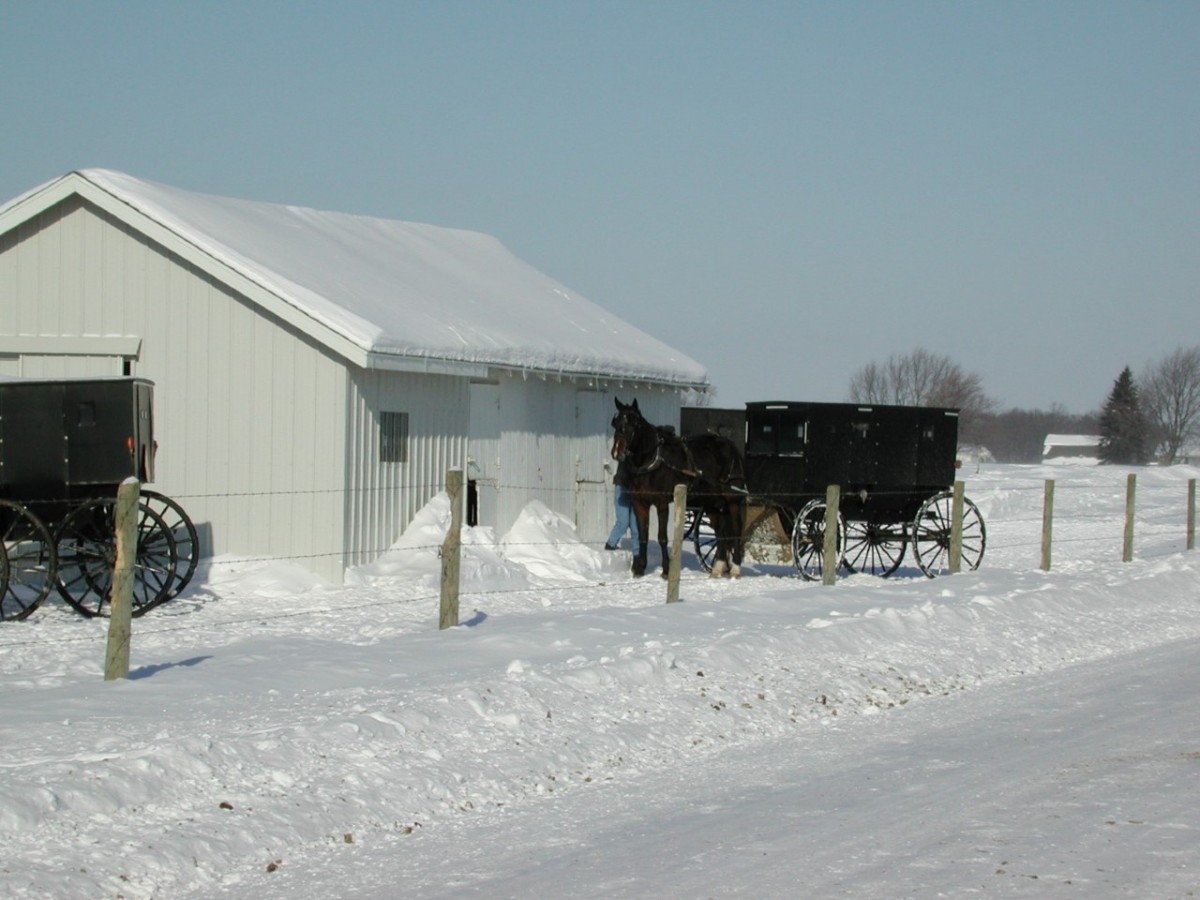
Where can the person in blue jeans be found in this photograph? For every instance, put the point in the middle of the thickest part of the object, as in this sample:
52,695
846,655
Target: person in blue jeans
623,504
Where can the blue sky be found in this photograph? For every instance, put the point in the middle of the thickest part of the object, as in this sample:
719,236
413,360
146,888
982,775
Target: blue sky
784,191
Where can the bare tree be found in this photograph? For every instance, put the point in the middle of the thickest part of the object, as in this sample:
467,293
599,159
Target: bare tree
921,378
1171,401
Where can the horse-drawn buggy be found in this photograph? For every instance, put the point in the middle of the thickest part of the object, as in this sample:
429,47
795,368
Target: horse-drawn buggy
894,466
65,448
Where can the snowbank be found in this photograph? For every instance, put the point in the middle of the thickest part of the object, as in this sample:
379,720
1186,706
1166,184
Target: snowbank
271,721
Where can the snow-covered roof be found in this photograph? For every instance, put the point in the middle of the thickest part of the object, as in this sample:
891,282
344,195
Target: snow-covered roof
383,293
1071,440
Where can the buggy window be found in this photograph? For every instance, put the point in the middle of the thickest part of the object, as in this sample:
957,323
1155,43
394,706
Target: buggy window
792,434
776,435
393,437
760,436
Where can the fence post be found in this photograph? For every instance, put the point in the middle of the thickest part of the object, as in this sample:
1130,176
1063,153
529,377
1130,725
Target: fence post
1191,515
829,552
1047,522
116,655
680,501
451,552
1130,491
956,516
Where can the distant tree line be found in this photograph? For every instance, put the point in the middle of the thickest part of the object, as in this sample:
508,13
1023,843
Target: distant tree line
1155,419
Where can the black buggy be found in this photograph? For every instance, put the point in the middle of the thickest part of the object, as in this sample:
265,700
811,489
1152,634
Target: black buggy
65,447
895,467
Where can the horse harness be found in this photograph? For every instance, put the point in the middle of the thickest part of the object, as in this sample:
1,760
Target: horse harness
662,433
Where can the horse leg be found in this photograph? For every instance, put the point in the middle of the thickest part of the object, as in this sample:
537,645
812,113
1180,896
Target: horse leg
737,535
716,518
662,538
641,513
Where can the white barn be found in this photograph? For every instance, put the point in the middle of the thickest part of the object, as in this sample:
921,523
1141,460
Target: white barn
317,373
1071,450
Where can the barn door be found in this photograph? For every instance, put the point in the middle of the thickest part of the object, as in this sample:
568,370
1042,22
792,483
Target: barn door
593,502
483,455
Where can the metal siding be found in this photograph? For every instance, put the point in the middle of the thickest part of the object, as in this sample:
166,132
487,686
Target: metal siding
593,465
248,415
544,443
484,461
383,497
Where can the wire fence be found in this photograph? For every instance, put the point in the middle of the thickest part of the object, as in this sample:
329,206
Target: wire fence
1162,512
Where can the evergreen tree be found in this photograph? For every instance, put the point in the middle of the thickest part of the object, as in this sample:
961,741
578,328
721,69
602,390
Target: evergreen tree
1123,427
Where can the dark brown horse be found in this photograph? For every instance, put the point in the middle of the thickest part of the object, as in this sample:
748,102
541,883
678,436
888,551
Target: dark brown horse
657,459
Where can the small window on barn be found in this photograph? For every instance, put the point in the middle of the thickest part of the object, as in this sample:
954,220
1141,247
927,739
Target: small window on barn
393,437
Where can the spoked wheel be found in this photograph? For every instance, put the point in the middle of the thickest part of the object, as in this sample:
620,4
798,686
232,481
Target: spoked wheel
87,554
874,548
931,535
27,561
704,538
187,542
808,540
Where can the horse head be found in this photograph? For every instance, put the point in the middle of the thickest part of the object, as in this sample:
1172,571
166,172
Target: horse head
626,425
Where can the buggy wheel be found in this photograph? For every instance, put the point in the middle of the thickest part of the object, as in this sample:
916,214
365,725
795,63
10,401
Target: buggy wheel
87,554
873,549
931,535
187,542
27,561
808,540
704,538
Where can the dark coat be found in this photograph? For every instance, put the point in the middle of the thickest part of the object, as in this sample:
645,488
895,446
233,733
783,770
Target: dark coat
621,476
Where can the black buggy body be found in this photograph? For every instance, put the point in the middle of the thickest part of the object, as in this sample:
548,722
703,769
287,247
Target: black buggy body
895,469
65,447
887,460
71,440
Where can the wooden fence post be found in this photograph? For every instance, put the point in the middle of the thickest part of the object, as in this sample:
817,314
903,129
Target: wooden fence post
1191,514
956,517
680,501
1130,491
1047,522
116,655
451,552
829,551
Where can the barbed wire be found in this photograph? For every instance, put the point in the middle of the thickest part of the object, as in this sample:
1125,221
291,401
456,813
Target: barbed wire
1155,518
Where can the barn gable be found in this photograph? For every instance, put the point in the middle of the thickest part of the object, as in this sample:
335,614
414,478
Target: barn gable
288,429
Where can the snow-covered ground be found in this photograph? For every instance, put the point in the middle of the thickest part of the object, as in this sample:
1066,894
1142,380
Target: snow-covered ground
1006,731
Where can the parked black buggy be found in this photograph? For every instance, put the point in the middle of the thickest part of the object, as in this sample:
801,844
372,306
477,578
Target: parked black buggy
895,467
65,447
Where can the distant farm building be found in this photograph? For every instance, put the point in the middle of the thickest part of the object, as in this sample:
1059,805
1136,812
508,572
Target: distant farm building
317,373
1188,455
1071,450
